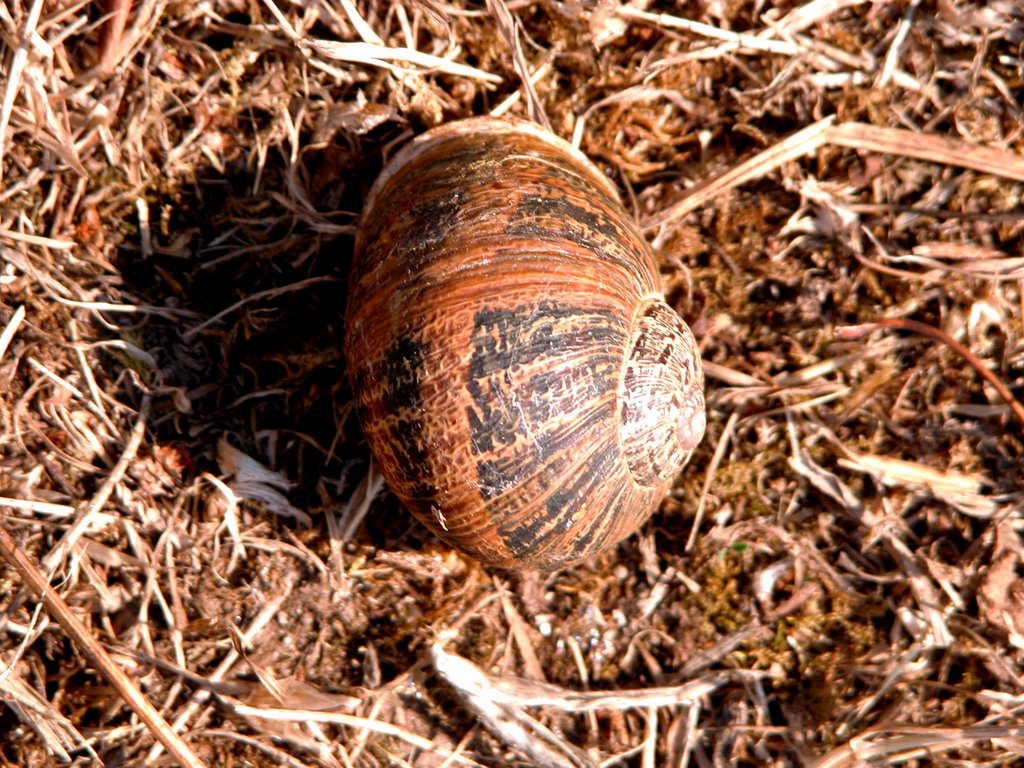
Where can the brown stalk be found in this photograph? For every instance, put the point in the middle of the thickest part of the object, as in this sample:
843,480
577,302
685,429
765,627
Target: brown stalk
95,653
113,32
914,326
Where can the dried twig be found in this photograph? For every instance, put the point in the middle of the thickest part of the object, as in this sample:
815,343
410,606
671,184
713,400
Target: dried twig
860,331
376,55
927,146
510,31
892,744
801,143
92,649
56,556
873,138
14,72
499,702
55,730
200,698
113,33
10,330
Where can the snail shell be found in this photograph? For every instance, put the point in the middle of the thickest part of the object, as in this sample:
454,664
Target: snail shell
525,389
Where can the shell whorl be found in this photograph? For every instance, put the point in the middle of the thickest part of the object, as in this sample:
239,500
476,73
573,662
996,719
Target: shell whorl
503,317
661,399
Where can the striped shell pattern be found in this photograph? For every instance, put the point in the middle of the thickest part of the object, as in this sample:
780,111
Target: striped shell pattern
525,389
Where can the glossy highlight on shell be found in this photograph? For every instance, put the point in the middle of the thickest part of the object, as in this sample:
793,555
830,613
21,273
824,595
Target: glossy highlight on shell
525,389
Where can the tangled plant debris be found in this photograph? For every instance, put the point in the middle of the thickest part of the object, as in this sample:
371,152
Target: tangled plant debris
199,562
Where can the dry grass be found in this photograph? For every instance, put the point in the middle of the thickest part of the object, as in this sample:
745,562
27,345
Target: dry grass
835,189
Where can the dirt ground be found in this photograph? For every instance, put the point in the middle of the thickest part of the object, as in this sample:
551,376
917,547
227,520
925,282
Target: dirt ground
200,566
